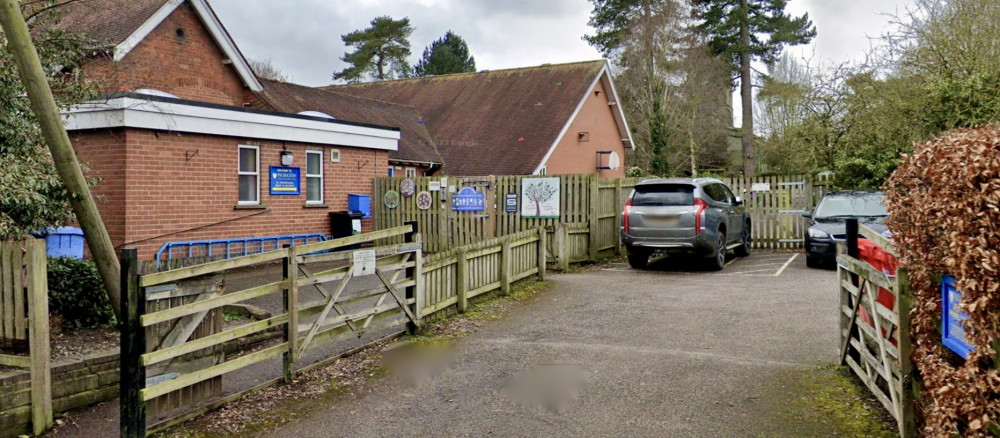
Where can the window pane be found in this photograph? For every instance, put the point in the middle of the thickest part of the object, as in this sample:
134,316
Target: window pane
248,188
313,164
314,189
248,160
663,195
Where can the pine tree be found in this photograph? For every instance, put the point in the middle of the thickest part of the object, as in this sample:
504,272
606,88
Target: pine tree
741,31
449,54
380,51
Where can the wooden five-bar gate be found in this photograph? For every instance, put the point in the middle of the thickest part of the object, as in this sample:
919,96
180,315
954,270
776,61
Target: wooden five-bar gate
874,327
174,353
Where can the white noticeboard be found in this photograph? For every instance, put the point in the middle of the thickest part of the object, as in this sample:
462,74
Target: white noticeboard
540,198
364,262
760,187
433,186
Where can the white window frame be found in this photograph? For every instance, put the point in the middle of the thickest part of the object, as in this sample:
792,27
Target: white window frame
322,182
240,172
411,172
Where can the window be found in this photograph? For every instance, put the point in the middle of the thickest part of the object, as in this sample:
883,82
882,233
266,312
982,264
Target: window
663,195
314,177
717,192
411,172
249,171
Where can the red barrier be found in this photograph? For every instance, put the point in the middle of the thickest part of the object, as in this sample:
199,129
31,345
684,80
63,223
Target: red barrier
884,262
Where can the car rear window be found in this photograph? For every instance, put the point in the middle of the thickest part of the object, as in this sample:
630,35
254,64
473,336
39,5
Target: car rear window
663,195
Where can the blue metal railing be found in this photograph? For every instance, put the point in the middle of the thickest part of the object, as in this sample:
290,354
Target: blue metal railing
232,247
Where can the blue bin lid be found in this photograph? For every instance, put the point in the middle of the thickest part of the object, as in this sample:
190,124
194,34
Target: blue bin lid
65,231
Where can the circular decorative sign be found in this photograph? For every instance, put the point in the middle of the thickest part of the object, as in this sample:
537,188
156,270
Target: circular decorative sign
391,199
614,161
424,200
407,188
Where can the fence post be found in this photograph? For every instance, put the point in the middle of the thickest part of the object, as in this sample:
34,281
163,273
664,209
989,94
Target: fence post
907,422
411,292
132,375
594,218
418,275
562,241
619,206
38,337
290,272
542,252
462,280
505,265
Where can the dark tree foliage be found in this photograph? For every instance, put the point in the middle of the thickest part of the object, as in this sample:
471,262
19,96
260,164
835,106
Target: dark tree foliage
380,51
449,54
742,31
32,197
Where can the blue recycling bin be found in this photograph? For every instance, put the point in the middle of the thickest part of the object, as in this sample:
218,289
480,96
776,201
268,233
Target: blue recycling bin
64,242
362,203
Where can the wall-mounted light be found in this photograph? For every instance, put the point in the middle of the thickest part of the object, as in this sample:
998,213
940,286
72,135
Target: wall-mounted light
287,158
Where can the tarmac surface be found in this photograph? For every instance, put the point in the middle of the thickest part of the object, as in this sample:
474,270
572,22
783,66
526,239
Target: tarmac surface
669,351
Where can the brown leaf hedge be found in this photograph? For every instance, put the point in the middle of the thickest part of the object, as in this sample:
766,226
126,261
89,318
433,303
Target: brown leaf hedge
944,201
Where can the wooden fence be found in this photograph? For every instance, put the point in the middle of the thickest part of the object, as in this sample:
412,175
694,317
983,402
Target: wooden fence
165,366
24,316
874,329
775,203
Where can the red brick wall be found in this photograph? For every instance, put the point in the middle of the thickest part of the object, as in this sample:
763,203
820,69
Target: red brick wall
104,153
597,119
188,66
167,196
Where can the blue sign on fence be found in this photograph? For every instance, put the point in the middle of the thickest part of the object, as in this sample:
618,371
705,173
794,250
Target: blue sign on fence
468,199
285,181
952,332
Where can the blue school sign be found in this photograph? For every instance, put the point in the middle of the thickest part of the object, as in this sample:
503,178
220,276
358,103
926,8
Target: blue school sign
468,199
952,332
285,181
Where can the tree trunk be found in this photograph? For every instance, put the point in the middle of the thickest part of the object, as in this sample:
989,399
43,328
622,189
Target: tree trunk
746,94
43,104
691,144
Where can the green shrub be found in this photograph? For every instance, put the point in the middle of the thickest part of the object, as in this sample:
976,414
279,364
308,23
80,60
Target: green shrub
76,293
635,172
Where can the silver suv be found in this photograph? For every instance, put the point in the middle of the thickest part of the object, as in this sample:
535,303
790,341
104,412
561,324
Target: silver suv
683,215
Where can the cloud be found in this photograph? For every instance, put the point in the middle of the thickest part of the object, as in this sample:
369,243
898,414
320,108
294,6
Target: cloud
302,38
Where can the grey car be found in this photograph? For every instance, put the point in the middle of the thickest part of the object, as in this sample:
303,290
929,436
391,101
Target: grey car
699,216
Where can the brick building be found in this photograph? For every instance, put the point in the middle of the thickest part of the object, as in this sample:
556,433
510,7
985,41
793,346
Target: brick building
548,119
180,154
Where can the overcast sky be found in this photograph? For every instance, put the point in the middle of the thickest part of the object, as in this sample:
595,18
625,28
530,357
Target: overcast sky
302,37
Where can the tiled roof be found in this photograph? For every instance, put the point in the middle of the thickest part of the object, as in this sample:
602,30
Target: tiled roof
415,143
499,122
105,21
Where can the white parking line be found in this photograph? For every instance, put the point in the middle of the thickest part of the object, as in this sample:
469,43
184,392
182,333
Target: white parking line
778,274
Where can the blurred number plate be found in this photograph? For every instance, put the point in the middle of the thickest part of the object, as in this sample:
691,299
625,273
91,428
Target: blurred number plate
668,221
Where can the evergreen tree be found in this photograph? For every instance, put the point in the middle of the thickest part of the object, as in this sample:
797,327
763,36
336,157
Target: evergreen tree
449,54
743,30
380,51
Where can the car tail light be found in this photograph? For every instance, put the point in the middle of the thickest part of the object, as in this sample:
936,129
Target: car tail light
699,211
626,212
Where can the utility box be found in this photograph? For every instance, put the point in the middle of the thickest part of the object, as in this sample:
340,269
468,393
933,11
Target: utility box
362,203
64,242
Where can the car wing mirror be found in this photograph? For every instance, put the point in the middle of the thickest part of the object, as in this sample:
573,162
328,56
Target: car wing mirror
807,215
739,200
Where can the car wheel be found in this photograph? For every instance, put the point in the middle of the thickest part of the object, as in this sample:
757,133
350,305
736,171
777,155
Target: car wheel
637,258
717,260
813,262
745,241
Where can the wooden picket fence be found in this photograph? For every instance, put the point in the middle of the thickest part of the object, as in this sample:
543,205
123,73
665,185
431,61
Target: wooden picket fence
24,316
775,203
874,336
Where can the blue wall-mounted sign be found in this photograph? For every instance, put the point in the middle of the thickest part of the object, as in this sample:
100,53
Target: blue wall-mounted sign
468,199
952,332
285,181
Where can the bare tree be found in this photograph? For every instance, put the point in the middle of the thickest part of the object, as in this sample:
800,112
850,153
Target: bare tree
265,69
